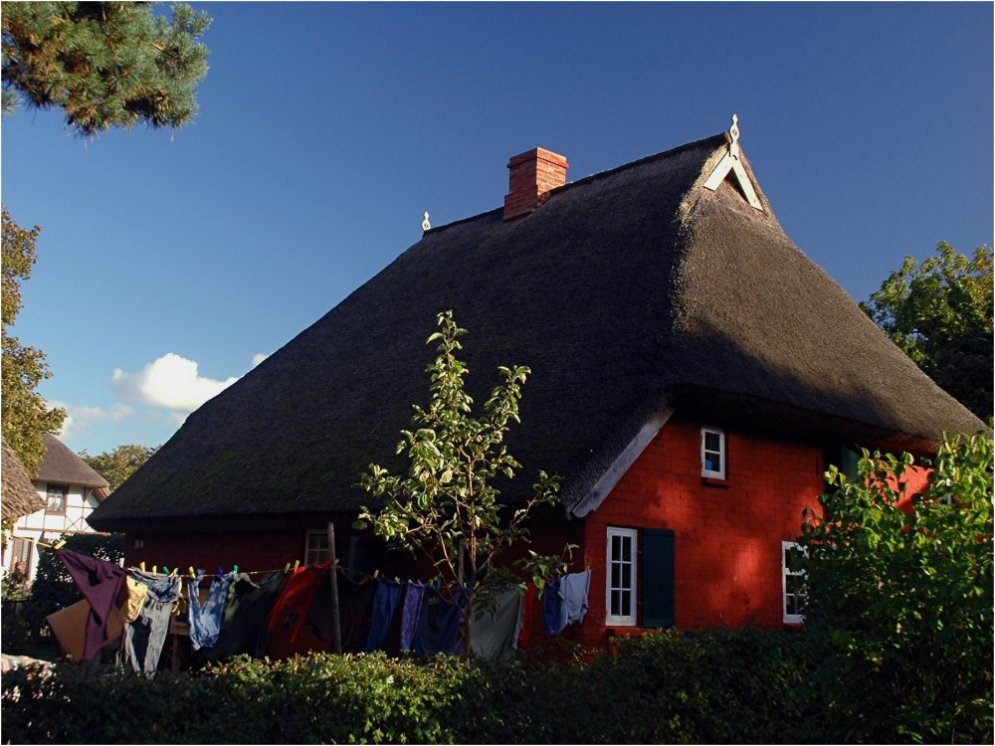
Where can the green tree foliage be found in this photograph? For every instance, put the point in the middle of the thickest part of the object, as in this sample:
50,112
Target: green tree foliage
111,64
25,415
940,313
117,465
899,601
447,506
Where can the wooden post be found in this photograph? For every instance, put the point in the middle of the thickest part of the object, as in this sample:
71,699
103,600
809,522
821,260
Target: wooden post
334,578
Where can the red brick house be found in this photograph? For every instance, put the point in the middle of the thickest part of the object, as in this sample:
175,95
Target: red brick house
693,376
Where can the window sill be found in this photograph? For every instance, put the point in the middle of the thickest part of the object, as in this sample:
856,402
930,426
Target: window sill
715,482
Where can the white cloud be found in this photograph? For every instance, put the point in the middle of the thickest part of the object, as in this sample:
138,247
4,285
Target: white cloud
79,416
258,358
169,381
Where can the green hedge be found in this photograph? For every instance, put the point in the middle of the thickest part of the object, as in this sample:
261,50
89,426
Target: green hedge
717,686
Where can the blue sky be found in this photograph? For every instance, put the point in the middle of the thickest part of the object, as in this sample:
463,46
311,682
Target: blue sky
169,261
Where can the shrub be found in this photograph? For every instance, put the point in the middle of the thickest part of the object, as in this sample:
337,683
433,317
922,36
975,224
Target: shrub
680,687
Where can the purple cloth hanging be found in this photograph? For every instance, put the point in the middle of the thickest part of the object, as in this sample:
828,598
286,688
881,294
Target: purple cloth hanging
100,583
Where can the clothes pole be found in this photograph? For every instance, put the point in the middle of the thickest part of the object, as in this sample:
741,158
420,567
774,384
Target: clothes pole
334,580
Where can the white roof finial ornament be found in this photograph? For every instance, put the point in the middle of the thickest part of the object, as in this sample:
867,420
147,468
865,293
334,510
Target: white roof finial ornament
734,137
731,166
425,225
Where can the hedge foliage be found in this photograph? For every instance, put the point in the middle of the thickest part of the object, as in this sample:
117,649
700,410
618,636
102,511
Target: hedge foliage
717,686
673,687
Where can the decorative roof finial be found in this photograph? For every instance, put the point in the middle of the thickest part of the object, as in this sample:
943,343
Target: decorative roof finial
425,225
734,137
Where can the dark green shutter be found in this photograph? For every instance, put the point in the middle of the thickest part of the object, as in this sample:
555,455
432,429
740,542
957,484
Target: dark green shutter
657,577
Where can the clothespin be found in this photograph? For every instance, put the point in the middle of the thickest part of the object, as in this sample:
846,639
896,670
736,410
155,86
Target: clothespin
165,570
141,566
59,544
286,568
192,573
234,570
297,563
155,569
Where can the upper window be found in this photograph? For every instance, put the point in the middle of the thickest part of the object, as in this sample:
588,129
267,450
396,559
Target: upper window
713,453
792,580
316,547
621,576
56,499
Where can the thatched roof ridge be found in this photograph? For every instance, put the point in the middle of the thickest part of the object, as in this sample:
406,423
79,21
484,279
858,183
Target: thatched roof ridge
627,292
19,496
62,466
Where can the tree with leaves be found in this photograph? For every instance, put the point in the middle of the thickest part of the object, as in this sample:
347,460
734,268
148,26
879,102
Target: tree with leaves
106,64
899,599
117,465
447,506
940,314
24,412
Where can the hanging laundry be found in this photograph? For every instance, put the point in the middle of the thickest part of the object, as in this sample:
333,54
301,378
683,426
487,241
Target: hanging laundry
136,597
291,608
439,625
205,618
355,607
528,610
145,637
414,594
573,596
100,583
385,602
551,611
494,632
243,624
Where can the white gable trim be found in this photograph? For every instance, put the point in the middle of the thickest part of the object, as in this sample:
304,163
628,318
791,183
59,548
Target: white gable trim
606,483
731,163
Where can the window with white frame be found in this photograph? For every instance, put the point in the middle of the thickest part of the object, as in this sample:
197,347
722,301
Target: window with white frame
792,579
56,497
316,547
713,453
621,568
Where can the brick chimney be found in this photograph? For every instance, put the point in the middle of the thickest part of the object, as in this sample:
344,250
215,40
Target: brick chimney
531,176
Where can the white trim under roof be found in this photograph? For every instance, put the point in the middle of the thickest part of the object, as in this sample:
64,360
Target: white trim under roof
607,481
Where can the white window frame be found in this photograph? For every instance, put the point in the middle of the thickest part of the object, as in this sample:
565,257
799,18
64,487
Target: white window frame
314,552
719,473
627,620
785,572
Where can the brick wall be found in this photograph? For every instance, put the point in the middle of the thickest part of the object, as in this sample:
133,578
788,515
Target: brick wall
727,535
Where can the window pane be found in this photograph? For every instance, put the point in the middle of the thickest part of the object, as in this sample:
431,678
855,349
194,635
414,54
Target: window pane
616,575
626,603
616,603
626,549
626,576
712,442
616,548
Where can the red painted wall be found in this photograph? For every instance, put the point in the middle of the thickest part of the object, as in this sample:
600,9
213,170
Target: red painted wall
727,535
250,550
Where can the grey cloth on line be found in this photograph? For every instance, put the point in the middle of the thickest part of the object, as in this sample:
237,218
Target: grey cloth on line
494,633
573,591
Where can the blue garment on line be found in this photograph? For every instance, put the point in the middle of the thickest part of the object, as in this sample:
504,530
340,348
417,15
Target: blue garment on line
384,605
145,637
552,608
414,593
205,619
573,597
439,625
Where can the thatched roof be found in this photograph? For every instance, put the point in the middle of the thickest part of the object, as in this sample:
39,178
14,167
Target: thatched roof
62,466
627,292
19,495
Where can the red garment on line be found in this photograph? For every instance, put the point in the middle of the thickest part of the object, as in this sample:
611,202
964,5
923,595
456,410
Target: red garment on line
296,596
